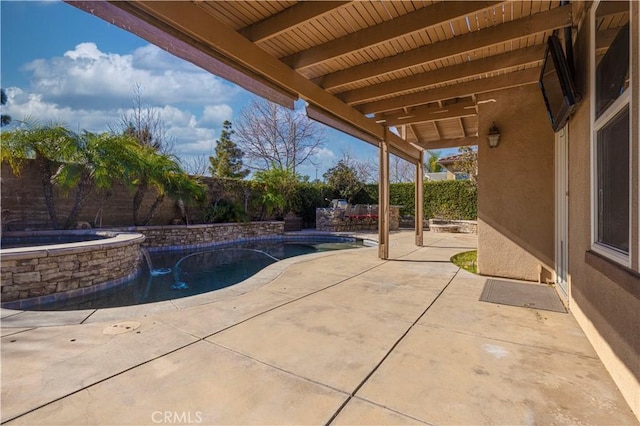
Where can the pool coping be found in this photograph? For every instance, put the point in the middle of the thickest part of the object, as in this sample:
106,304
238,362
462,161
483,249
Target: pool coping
31,319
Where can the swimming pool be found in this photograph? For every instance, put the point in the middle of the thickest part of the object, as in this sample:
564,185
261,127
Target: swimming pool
173,274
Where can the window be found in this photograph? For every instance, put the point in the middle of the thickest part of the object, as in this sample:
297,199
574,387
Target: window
611,129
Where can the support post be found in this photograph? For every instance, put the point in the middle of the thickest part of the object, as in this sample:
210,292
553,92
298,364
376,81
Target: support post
419,200
383,201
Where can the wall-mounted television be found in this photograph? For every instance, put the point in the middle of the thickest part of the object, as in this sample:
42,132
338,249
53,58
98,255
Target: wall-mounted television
556,83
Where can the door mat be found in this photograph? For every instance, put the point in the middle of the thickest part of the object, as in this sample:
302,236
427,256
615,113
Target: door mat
536,296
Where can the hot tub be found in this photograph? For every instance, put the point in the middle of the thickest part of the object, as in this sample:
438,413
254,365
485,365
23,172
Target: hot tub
53,262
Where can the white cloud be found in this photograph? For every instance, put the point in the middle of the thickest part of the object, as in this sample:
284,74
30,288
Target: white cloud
325,155
88,77
87,89
216,114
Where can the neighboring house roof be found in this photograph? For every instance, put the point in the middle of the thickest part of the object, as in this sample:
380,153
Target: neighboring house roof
450,160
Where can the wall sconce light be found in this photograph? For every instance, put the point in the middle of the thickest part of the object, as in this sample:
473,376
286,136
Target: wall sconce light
493,136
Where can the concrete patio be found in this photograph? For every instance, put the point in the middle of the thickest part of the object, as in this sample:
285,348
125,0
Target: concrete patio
333,338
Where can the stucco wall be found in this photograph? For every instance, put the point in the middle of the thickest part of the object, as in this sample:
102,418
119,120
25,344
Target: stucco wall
516,186
604,298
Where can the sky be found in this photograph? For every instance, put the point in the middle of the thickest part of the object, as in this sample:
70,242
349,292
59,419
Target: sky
60,64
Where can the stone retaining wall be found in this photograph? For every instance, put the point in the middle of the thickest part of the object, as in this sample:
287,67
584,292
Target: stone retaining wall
45,270
339,220
192,236
454,226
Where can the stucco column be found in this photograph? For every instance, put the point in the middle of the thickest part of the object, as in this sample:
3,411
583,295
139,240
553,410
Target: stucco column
383,201
419,199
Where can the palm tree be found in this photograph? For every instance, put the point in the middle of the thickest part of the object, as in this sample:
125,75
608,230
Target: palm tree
48,145
99,160
163,173
431,163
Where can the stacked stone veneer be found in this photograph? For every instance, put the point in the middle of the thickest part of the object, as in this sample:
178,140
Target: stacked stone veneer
45,270
338,220
454,226
192,236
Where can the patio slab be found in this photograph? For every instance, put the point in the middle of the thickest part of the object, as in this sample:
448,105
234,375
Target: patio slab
44,364
204,320
360,412
446,377
46,318
525,326
340,339
323,342
200,384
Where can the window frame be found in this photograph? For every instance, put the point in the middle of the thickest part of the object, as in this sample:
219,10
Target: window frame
624,100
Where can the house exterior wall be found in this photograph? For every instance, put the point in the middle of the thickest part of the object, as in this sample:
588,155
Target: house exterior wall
516,186
604,297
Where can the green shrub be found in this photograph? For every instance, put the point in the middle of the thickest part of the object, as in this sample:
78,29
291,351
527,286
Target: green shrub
449,199
225,211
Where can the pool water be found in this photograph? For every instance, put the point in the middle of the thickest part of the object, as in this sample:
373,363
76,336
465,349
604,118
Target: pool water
34,241
183,273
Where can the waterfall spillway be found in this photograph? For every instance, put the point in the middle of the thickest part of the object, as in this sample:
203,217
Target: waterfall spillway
154,272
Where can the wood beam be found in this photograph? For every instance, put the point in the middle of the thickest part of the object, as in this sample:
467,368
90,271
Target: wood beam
288,18
513,30
448,143
383,201
409,153
426,114
388,30
419,201
437,130
482,85
609,8
465,70
187,19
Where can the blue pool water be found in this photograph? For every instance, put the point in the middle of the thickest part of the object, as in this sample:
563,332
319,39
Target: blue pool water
182,273
33,241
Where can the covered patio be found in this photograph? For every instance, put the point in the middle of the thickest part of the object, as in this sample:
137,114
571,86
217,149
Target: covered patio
403,76
398,334
400,341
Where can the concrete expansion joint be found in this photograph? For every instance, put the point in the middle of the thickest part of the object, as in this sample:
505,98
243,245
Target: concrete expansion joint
393,347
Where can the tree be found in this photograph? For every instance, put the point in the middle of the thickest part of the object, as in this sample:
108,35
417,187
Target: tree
278,185
401,170
468,162
84,161
163,173
47,145
97,161
227,162
145,125
344,178
431,163
270,134
4,118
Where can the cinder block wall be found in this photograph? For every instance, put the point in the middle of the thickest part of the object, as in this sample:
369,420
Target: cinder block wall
23,202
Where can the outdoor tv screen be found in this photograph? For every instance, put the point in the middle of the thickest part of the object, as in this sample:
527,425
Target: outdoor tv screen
556,83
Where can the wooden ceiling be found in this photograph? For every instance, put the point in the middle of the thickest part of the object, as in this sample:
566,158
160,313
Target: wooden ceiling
414,67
